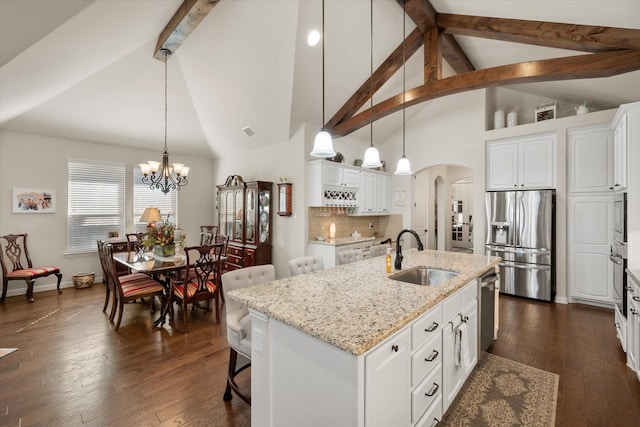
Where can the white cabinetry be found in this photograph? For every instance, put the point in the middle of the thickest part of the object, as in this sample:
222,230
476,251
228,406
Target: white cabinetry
590,158
332,184
590,272
329,253
526,162
460,307
633,327
620,137
375,193
387,372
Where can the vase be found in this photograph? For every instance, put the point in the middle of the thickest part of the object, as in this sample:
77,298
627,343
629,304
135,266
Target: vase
165,251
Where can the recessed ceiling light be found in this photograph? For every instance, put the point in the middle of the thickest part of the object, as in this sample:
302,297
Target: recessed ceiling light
248,131
313,38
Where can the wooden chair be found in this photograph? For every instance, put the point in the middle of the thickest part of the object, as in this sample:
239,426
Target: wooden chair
134,242
206,238
350,255
129,290
110,291
222,240
239,321
305,264
15,250
209,229
202,270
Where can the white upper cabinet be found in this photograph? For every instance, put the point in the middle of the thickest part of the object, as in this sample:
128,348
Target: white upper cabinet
522,163
375,193
590,159
332,184
620,137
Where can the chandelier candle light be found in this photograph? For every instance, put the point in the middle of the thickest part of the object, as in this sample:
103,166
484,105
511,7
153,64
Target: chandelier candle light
164,178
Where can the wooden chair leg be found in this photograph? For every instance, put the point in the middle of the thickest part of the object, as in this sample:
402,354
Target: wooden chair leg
233,358
217,303
5,285
59,280
106,299
114,306
185,316
120,309
30,290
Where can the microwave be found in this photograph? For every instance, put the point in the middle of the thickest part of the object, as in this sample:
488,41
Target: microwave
620,217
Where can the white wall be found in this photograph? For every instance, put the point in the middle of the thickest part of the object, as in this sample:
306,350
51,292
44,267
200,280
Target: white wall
32,161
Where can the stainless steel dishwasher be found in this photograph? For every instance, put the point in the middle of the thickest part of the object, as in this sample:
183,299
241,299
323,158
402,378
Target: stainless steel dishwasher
487,292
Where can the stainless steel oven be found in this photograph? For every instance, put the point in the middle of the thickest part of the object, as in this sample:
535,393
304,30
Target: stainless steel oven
620,217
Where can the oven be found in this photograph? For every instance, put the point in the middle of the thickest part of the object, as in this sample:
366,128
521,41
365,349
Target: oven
620,217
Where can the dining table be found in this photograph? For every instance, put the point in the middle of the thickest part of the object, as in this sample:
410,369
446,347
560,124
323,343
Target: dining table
161,269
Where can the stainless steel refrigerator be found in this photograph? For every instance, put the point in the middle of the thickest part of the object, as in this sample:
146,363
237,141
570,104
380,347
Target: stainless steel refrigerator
521,230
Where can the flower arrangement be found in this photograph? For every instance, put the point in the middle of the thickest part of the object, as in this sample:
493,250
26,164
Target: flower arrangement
159,234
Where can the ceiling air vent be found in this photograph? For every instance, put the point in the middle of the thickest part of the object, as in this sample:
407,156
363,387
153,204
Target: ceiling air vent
248,131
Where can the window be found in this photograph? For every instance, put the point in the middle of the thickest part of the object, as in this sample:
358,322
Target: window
144,197
96,203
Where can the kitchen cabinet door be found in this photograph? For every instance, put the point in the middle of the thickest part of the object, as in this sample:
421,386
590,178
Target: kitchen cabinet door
383,193
536,163
387,382
367,194
620,152
590,225
590,158
502,166
633,327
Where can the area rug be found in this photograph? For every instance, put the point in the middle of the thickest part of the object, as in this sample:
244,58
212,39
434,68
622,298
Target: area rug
501,392
6,351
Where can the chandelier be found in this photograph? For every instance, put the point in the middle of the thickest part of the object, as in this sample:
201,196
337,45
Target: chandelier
163,177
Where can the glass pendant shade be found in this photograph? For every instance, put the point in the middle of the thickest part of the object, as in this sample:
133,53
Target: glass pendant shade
323,145
404,167
371,158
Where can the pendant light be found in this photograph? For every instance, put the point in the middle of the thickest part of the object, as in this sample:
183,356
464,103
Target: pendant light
163,177
323,145
403,167
371,155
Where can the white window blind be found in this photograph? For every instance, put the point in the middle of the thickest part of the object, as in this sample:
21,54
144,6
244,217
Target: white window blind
96,203
144,197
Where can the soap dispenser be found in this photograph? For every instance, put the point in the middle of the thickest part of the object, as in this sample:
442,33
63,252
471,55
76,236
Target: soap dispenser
388,260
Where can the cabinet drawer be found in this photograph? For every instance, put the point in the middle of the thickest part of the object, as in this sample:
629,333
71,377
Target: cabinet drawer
433,416
426,394
456,302
425,359
429,325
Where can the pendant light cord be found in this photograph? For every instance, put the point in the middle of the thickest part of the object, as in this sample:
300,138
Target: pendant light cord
404,72
371,75
166,54
323,124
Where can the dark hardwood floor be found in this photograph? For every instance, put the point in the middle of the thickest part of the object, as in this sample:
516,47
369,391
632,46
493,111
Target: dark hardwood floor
73,369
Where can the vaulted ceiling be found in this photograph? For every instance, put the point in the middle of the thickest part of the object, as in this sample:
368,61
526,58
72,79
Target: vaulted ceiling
84,69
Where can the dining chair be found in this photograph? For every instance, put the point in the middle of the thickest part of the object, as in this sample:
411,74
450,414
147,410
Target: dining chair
222,240
14,248
206,238
110,291
210,229
134,242
201,276
350,255
379,250
305,264
130,287
239,322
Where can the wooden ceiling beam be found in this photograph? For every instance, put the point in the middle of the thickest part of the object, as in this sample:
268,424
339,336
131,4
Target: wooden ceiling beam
421,12
603,64
586,38
383,73
184,21
454,55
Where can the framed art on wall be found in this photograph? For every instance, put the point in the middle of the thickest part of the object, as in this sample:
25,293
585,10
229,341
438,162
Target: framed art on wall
33,201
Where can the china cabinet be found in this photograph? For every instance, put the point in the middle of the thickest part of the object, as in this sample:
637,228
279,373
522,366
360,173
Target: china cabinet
244,214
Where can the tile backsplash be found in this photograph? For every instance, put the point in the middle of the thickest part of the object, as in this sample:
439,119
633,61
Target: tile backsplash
320,220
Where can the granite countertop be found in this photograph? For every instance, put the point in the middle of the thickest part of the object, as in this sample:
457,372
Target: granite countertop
344,240
356,306
635,275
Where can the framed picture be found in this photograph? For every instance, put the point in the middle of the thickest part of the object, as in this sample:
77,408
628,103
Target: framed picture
113,234
33,201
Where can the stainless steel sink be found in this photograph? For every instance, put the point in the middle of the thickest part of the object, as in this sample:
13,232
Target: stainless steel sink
424,276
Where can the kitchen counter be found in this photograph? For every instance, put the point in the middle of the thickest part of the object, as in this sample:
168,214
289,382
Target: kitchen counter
339,241
356,306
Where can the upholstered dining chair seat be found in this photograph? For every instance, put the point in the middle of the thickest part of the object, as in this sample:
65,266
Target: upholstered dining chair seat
33,272
140,288
192,288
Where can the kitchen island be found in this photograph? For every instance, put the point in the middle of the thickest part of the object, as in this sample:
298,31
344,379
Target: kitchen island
335,347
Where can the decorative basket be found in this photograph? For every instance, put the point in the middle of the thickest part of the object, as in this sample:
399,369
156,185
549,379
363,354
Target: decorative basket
83,280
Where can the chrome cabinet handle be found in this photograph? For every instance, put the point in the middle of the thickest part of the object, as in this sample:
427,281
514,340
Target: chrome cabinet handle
435,421
636,298
432,328
433,390
432,356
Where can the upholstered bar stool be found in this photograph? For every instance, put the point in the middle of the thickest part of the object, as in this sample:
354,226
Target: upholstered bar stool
305,264
239,321
350,255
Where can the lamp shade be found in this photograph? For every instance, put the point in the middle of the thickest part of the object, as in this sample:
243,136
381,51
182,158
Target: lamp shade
151,215
323,145
404,167
371,158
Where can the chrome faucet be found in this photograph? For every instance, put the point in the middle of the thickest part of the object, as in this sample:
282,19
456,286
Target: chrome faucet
398,263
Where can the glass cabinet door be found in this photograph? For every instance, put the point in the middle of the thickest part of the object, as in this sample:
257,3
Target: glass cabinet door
263,210
238,215
250,215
